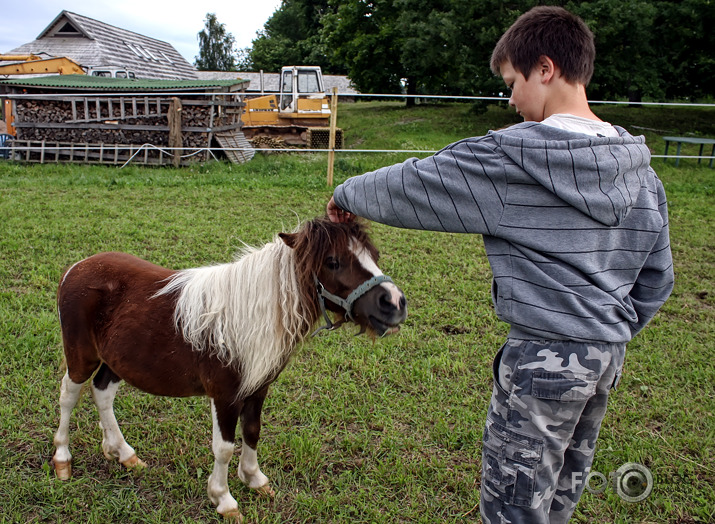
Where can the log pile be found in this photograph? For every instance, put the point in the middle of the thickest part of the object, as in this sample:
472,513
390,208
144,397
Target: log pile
268,142
125,120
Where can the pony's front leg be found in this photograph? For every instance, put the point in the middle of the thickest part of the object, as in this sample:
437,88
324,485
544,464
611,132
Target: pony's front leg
248,470
62,459
104,388
225,417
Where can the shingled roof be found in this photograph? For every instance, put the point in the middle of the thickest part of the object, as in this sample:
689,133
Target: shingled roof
92,43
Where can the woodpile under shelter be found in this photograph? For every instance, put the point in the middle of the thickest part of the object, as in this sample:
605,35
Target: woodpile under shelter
78,118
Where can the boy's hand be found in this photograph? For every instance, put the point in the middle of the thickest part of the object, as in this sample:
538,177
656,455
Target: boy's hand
336,214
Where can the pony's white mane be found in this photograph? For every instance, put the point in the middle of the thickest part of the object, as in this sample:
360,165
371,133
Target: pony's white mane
248,312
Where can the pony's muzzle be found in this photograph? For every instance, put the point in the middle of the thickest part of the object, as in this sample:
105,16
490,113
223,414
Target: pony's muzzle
382,309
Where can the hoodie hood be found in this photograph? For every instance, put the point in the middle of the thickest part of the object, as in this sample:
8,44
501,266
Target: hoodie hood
599,176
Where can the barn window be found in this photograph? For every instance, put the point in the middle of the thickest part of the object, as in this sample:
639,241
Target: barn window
67,30
133,50
151,55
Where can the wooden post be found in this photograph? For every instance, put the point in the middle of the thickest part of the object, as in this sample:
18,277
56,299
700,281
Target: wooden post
331,140
175,138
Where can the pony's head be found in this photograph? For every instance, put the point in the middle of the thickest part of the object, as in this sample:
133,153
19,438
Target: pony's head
338,262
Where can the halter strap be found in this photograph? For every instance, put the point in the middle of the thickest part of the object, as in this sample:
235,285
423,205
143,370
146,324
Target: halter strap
345,303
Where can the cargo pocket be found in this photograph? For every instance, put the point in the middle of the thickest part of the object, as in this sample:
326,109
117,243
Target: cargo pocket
509,464
564,387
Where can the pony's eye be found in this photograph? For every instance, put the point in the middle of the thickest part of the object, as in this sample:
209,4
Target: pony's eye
333,263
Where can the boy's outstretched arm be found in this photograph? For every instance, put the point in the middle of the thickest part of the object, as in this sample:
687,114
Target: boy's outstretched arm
460,189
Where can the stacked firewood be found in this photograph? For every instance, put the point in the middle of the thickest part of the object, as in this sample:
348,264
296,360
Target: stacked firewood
43,111
134,128
268,142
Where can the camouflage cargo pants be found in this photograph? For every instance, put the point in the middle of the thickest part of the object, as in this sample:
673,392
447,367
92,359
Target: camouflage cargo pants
548,401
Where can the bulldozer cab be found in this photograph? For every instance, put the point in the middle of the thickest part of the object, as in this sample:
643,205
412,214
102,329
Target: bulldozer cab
299,83
298,114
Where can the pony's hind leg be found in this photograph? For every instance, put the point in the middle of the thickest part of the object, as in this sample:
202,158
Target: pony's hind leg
104,388
225,417
62,459
248,470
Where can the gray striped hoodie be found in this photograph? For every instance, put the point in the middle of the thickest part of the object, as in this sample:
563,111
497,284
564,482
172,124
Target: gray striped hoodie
575,227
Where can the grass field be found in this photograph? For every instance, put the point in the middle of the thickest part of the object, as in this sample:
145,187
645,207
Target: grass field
354,430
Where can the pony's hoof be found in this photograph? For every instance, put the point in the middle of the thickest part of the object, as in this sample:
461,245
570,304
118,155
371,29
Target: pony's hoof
63,470
233,515
266,491
134,462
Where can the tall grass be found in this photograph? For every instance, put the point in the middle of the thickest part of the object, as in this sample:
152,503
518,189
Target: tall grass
354,430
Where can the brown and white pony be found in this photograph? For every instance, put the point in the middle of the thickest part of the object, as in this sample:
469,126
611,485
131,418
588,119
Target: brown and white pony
223,331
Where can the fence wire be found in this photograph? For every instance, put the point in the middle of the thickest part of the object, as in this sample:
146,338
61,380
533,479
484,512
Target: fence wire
211,150
190,152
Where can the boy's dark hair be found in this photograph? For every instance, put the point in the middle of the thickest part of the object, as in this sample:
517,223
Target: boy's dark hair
551,31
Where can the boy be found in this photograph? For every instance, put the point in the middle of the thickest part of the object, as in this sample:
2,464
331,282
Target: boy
575,228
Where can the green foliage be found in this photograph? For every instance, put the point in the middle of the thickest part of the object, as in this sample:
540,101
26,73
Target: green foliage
216,47
292,37
645,49
355,430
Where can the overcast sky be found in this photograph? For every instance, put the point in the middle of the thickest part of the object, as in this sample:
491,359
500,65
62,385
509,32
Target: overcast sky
176,22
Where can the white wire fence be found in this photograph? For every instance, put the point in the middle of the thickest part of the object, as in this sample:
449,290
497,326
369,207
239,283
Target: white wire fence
211,151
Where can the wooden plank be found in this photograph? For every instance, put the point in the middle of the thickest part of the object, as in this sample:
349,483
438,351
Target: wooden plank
331,141
130,127
211,119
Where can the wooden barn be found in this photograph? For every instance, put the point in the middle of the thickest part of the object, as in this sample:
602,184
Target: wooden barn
96,45
85,119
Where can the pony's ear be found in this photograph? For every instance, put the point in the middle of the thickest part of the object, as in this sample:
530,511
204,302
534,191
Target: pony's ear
290,239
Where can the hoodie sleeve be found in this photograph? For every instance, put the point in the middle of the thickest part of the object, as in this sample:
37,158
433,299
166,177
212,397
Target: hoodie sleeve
656,279
460,189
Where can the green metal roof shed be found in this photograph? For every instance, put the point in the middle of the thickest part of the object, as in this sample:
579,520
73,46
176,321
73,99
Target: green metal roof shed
94,84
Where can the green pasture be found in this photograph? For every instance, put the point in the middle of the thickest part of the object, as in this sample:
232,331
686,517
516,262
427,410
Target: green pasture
354,430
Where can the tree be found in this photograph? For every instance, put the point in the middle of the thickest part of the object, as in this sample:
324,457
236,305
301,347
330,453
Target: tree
362,35
243,60
644,48
625,56
291,36
683,48
430,47
216,52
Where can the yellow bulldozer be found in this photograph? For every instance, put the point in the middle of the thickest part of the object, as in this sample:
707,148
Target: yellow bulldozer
298,115
33,65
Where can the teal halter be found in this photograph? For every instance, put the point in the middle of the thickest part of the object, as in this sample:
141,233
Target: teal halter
345,303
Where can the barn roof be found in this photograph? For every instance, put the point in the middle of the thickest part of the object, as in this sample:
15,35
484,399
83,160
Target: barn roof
93,43
95,83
